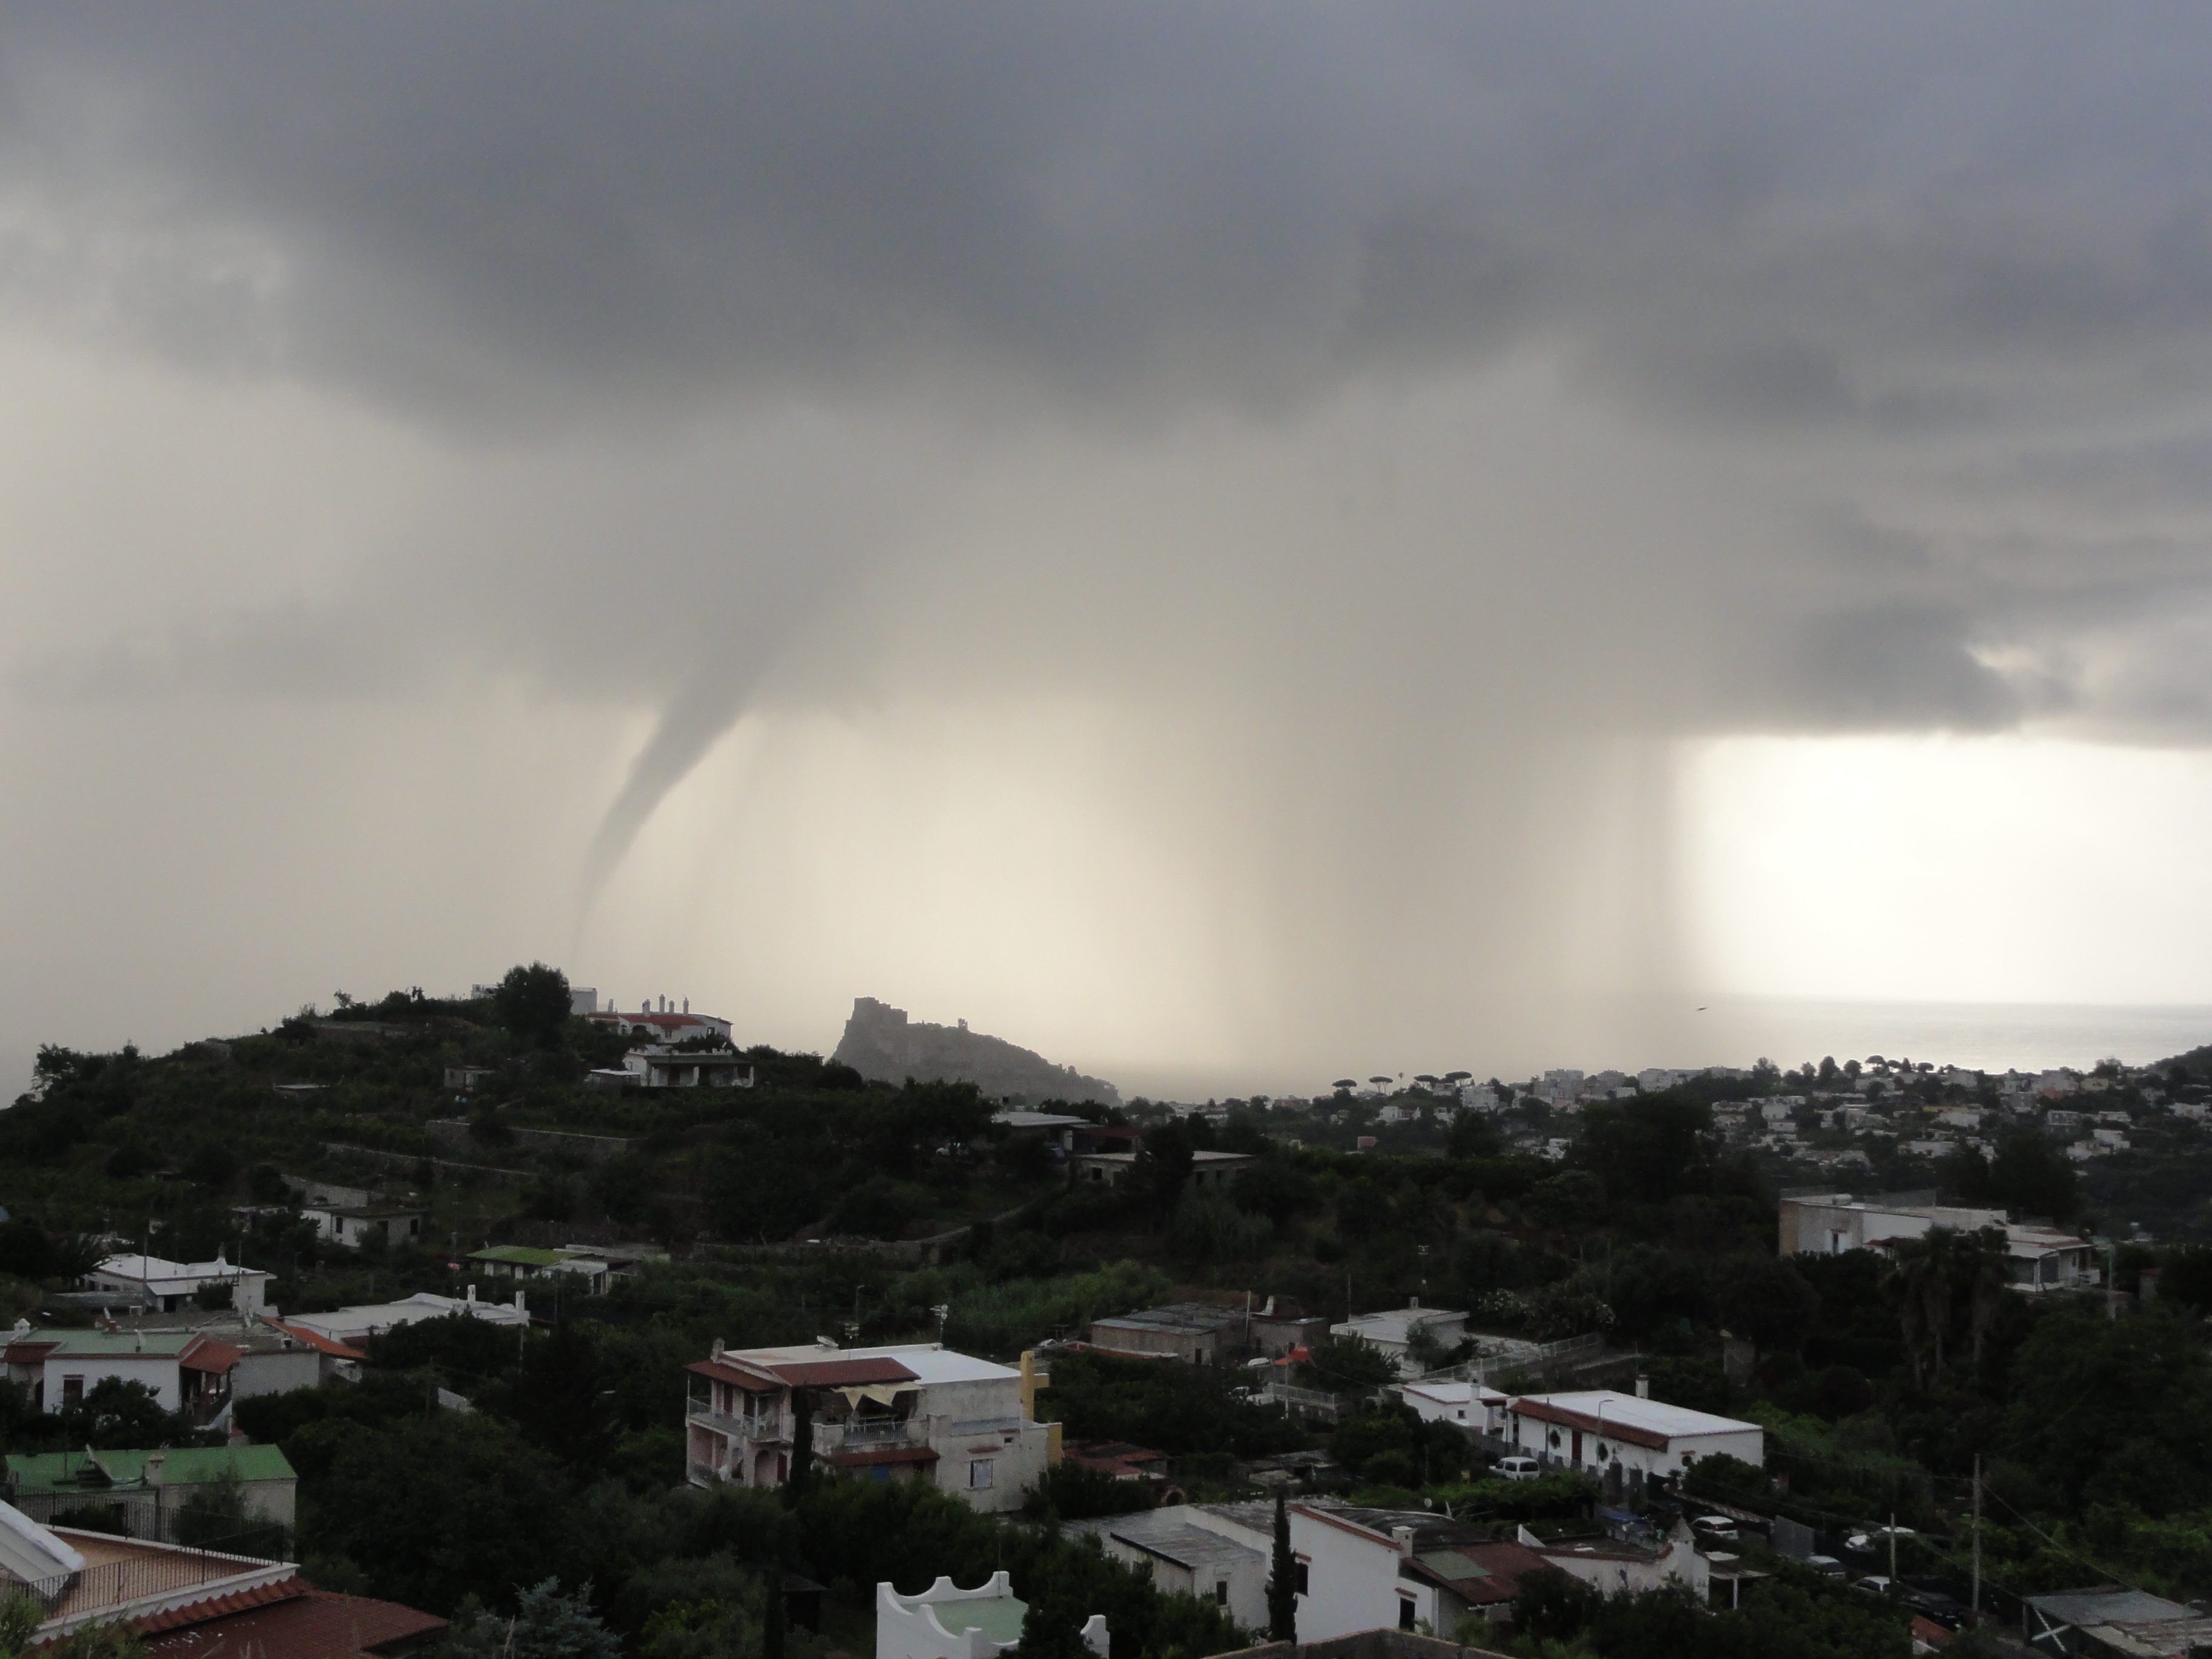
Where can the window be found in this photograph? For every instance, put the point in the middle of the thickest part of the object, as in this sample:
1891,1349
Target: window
72,1391
979,1472
1221,1593
1299,1578
1405,1613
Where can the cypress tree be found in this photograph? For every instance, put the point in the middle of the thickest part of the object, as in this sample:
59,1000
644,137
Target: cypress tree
802,1445
1283,1580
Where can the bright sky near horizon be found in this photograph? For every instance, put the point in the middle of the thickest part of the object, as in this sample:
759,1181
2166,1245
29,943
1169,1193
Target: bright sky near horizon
1239,542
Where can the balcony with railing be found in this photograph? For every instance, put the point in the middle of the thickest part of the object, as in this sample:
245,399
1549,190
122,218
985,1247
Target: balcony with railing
862,1434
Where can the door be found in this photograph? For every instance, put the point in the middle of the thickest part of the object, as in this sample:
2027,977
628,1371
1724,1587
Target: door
1578,1449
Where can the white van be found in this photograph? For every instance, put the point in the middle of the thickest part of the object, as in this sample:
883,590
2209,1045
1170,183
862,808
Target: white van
1516,1469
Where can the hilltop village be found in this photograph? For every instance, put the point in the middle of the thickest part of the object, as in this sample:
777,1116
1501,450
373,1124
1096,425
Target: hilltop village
517,1322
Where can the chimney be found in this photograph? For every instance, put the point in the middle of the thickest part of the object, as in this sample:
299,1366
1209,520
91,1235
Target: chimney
1643,1387
1413,1302
154,1468
473,1293
687,1004
1403,1537
718,1347
520,1307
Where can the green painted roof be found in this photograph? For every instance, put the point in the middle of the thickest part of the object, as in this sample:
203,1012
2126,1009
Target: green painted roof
999,1617
522,1256
186,1466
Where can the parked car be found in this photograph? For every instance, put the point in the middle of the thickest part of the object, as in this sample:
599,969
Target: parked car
1881,1588
1516,1469
1827,1566
1948,1610
1876,1538
1715,1529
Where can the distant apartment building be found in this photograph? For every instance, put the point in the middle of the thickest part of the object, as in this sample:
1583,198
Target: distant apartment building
918,1412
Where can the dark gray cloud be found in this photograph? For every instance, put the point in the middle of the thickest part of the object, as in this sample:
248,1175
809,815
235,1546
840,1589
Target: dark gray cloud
1132,346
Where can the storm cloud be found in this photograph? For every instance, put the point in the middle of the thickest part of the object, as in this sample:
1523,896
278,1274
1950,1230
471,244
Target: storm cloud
1417,417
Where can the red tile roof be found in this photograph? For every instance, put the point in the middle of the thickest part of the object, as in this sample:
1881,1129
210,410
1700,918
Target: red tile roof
209,1355
308,1624
842,1373
315,1340
1492,1574
220,1607
737,1377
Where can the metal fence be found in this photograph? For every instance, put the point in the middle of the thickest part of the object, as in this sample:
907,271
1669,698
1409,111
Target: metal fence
149,1517
113,1583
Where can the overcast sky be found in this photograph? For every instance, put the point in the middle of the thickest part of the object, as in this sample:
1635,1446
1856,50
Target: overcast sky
1208,540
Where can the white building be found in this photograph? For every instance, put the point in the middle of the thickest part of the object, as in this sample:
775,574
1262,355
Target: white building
1617,1567
664,1024
1829,1224
947,1622
355,1325
1470,1405
1623,1436
659,1065
1362,1569
1183,1558
354,1226
918,1412
166,1286
1392,1332
184,1370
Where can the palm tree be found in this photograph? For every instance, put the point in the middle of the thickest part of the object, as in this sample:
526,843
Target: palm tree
1985,1257
1903,1280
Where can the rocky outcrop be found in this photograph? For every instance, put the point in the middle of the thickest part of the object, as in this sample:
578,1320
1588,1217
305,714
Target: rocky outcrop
880,1042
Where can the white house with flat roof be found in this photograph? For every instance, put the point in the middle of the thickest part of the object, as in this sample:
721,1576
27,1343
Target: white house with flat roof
1474,1407
166,1286
1828,1224
1393,1332
916,1412
947,1622
185,1371
354,1325
1623,1436
1183,1558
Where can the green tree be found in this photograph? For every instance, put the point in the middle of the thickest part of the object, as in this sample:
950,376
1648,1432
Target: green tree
1765,1300
1346,1365
546,1624
2121,1409
1282,1579
533,1003
2032,1176
434,1507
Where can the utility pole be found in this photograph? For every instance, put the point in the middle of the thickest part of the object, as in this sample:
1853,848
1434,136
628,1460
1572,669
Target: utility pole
1892,1555
1977,1603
